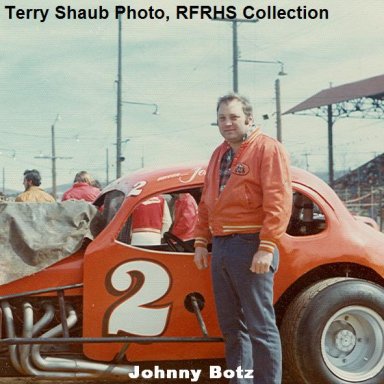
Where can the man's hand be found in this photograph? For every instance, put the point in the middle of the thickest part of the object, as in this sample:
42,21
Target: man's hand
261,261
201,257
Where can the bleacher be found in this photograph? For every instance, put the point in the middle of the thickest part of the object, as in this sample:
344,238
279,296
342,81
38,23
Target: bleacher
362,189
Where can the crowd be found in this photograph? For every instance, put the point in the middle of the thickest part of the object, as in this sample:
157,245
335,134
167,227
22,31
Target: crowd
370,174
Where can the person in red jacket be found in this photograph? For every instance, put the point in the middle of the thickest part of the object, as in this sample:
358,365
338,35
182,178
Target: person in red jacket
150,220
244,210
82,188
184,216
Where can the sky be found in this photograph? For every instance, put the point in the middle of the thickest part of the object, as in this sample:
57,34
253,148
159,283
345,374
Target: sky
68,67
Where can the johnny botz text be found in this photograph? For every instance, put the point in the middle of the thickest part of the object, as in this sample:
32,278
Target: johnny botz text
182,12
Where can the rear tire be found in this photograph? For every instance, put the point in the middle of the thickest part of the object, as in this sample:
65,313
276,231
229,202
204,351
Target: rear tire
333,332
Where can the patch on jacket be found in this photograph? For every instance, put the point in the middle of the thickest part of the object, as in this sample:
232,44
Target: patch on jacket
241,169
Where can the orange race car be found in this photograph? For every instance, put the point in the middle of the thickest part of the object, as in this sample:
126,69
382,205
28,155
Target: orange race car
112,306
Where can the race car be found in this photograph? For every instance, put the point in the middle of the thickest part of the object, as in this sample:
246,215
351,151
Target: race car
112,306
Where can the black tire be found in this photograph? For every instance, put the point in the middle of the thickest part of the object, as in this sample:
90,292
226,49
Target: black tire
333,333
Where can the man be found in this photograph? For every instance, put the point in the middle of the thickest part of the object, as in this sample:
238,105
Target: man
33,193
82,188
244,210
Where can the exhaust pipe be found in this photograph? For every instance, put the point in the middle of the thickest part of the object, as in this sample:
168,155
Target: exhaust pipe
27,359
10,332
78,366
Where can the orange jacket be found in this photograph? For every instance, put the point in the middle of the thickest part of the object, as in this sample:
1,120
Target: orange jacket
257,197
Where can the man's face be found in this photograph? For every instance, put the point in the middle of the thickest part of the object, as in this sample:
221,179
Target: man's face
233,123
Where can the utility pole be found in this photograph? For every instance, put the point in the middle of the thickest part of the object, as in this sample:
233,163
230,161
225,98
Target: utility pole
330,146
306,154
53,157
235,54
118,116
13,156
235,49
107,167
278,111
277,93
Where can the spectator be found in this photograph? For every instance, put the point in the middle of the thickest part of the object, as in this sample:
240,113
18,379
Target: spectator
184,216
33,193
149,221
82,189
97,184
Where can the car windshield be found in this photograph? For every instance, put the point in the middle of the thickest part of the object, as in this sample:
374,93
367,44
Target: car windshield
109,205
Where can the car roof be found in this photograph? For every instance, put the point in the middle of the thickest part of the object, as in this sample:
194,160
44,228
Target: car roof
192,175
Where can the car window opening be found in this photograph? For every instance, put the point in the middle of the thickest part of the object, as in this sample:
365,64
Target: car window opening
306,218
164,223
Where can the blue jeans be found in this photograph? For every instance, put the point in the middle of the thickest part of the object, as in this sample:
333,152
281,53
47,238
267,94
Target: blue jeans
244,303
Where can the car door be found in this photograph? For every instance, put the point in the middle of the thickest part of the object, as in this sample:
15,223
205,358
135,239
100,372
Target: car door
147,292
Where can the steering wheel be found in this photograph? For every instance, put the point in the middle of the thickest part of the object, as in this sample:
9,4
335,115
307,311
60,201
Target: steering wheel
173,240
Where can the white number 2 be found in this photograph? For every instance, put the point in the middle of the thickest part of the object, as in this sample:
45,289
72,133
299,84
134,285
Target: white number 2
141,283
137,188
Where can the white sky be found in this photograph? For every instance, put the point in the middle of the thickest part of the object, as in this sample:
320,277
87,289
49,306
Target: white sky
70,67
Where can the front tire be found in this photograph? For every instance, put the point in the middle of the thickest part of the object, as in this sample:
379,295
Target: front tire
333,332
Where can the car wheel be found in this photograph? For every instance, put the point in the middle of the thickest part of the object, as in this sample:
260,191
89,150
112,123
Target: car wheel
333,332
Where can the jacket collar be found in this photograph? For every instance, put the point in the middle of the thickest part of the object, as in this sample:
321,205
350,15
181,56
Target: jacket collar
33,188
250,138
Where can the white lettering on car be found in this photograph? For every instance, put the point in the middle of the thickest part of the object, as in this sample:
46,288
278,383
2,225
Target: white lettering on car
140,283
196,172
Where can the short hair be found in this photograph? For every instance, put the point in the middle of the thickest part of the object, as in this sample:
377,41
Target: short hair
247,106
83,177
97,184
33,175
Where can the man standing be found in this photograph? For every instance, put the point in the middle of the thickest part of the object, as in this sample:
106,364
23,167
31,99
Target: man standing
244,210
33,193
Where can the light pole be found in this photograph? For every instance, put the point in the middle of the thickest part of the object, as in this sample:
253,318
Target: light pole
53,156
155,112
118,116
13,156
107,166
235,48
121,158
277,92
